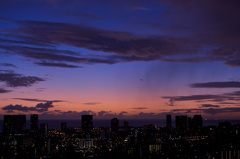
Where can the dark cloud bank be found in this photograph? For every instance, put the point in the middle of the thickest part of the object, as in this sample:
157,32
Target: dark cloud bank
215,28
41,107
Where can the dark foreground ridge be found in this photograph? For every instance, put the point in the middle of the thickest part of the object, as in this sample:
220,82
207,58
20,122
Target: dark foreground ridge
188,139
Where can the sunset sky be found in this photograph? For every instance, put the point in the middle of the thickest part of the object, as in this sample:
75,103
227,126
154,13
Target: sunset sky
129,59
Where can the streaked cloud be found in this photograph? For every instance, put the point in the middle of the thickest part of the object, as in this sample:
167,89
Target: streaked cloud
38,100
210,111
8,65
225,97
228,84
91,103
62,65
139,108
86,16
209,106
2,90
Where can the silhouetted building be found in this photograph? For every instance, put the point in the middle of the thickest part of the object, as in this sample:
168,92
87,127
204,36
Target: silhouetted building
87,122
181,123
197,122
169,121
125,124
63,126
44,128
34,122
190,123
114,124
14,124
224,125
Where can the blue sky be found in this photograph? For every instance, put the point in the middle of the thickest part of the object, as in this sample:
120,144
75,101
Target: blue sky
120,58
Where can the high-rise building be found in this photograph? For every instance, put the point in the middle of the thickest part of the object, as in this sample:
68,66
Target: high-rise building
190,123
181,123
87,122
197,122
114,124
63,126
126,124
44,128
14,124
169,121
34,122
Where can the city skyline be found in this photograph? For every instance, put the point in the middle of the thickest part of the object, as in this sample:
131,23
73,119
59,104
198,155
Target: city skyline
128,60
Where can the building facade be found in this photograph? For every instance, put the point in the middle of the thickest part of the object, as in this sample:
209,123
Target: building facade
87,122
14,124
169,121
114,124
34,122
181,123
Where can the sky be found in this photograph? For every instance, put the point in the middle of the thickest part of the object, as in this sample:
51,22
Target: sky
136,59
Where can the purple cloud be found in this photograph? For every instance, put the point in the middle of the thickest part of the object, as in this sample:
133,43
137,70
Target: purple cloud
17,80
7,65
184,37
225,97
210,106
41,107
211,111
38,100
2,90
139,108
62,65
91,103
44,105
230,84
101,113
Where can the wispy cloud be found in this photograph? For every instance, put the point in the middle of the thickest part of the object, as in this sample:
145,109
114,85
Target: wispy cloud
225,97
66,115
38,100
194,97
2,90
228,84
209,106
7,65
91,103
86,16
41,39
211,111
139,108
140,8
62,65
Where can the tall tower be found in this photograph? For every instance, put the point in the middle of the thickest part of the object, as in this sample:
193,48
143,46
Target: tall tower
190,123
44,128
14,124
181,123
63,126
197,122
114,124
34,122
87,122
125,125
169,121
